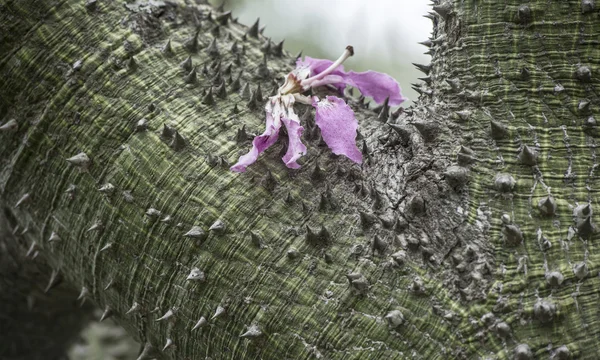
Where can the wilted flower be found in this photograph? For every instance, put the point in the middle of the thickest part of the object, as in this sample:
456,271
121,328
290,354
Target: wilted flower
333,116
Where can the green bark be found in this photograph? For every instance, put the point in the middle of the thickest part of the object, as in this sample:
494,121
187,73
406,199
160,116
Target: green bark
448,258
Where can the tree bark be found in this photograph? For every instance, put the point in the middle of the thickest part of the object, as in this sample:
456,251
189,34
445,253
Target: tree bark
466,233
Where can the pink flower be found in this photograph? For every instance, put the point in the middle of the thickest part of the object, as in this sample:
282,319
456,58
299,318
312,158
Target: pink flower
333,116
371,83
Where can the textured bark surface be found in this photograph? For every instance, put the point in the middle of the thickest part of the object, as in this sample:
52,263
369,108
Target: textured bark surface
464,234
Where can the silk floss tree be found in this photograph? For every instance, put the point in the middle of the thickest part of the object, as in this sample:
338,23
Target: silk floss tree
469,233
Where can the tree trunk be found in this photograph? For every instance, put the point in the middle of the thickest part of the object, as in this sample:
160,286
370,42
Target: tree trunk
467,232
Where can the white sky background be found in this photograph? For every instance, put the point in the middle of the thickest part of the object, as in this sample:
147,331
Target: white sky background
384,33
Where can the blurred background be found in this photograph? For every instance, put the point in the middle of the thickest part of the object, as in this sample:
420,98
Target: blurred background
384,33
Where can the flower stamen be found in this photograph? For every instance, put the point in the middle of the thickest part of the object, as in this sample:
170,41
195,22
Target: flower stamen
349,51
303,99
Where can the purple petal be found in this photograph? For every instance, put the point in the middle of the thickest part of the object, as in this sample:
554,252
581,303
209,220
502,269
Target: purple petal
317,66
338,127
260,142
334,80
295,147
377,85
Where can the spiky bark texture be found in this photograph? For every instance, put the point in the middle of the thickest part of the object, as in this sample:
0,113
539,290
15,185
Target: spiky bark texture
466,233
